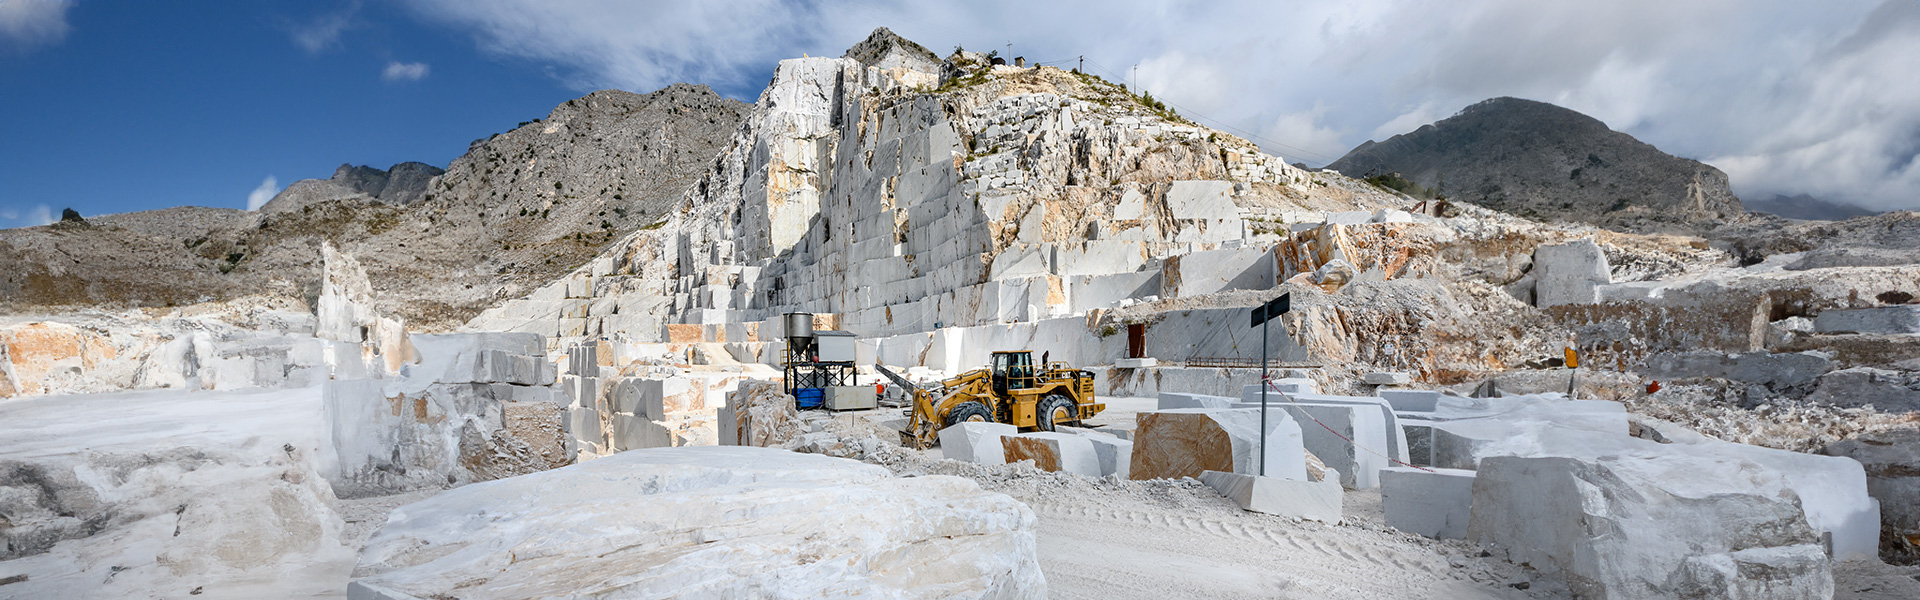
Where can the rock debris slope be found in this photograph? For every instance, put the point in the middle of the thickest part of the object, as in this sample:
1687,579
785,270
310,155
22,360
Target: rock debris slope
517,210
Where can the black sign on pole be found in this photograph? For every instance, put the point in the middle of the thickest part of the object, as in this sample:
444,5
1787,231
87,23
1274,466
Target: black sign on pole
1262,314
1279,306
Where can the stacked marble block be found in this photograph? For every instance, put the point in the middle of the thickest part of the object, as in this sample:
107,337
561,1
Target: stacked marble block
1543,476
588,303
610,414
1075,450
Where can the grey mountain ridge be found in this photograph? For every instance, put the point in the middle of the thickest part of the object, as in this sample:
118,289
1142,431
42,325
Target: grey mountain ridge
400,184
1545,162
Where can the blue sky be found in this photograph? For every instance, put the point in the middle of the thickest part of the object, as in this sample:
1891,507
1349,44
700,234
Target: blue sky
118,105
153,104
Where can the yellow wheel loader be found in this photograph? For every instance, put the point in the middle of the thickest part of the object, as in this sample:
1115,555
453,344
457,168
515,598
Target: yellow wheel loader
1012,390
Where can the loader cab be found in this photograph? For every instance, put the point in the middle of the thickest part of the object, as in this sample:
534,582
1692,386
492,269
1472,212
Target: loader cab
1012,371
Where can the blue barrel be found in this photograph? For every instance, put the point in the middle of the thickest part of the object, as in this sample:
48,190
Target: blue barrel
809,397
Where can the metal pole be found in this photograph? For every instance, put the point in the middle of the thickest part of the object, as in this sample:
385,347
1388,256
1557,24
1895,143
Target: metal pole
1263,396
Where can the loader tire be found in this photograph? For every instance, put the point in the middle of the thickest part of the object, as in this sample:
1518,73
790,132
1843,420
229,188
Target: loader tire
968,411
1056,409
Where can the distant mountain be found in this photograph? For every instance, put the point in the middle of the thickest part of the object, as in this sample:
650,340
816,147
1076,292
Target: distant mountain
518,209
1807,208
401,184
1545,162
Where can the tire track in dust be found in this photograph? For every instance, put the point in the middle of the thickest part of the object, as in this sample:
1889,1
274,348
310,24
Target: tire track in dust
1326,545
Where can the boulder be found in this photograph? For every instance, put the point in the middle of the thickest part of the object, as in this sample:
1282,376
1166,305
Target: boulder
1902,319
1436,503
707,522
1651,525
1315,500
1170,444
976,442
1053,451
1892,462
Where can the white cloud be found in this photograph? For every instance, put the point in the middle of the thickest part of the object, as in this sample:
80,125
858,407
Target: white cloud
29,23
324,31
260,195
1789,97
40,214
399,71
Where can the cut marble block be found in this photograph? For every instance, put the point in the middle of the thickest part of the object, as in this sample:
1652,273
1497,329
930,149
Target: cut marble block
1831,491
1170,444
1170,400
1435,503
1892,463
537,394
1050,451
632,432
1384,378
1315,500
1896,320
1389,421
1649,524
1115,454
1336,433
582,391
1211,271
584,424
1569,273
976,442
1422,401
1287,385
1419,442
1135,363
1352,438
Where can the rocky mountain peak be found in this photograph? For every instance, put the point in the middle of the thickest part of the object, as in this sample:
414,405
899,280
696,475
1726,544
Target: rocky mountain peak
401,184
887,50
1547,162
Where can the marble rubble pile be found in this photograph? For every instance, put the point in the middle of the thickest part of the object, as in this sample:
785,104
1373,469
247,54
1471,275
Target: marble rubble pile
707,522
